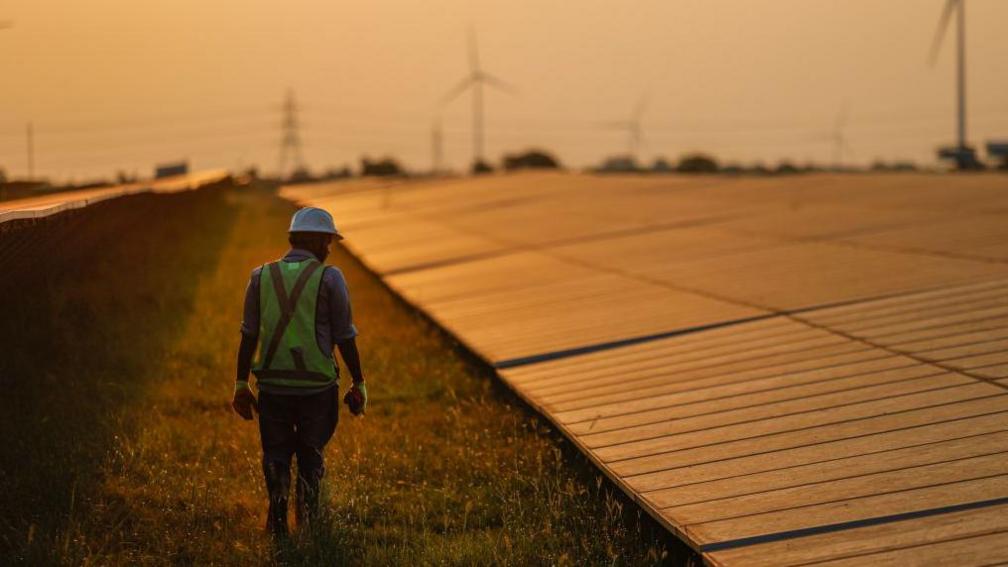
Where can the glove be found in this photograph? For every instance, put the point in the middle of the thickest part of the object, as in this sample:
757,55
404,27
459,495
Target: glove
356,398
244,402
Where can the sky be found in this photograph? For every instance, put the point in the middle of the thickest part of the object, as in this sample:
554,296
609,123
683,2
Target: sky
123,84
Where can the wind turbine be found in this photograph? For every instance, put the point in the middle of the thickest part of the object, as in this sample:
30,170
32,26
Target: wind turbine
962,153
632,126
475,80
839,138
437,146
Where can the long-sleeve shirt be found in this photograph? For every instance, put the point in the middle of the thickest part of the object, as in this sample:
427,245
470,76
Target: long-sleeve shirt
333,321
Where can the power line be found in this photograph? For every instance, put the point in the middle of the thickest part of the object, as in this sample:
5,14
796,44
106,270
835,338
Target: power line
539,125
96,146
70,167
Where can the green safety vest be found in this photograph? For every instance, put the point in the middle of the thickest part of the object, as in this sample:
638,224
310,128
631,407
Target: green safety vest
289,354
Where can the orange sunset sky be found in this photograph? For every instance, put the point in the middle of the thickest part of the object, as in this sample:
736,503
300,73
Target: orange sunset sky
122,84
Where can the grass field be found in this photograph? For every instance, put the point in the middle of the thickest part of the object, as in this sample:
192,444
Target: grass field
119,446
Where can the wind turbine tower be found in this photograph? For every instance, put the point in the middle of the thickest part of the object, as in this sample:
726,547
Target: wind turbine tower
632,126
963,154
475,80
840,139
437,146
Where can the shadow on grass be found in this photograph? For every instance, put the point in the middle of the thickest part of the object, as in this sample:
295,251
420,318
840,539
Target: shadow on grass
89,300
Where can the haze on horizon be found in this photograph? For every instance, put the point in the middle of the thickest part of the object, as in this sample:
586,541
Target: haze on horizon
117,84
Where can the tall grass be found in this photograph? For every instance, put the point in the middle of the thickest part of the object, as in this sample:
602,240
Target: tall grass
90,304
122,410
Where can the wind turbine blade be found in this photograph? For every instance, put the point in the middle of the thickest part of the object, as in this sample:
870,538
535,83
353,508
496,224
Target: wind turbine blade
497,83
474,63
943,24
456,90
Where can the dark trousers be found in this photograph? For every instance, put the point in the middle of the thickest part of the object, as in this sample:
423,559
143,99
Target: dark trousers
296,425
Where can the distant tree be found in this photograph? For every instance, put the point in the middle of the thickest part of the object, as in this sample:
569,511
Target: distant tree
697,163
480,167
384,167
3,176
618,164
759,168
338,173
531,159
732,169
94,183
300,175
123,177
881,166
786,168
661,165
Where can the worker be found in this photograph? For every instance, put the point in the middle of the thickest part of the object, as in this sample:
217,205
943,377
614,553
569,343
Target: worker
297,311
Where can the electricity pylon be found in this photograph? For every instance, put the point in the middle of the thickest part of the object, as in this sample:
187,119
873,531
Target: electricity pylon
290,144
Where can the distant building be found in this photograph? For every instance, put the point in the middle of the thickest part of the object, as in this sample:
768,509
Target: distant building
964,157
998,152
170,169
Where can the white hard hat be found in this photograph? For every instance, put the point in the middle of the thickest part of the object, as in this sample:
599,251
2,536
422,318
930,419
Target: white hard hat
313,219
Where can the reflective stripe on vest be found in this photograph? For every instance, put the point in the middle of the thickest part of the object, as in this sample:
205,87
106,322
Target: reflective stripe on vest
288,353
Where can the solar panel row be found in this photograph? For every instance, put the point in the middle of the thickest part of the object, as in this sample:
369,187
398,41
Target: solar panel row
53,203
781,370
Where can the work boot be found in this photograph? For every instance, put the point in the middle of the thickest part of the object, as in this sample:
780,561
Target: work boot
278,486
307,496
